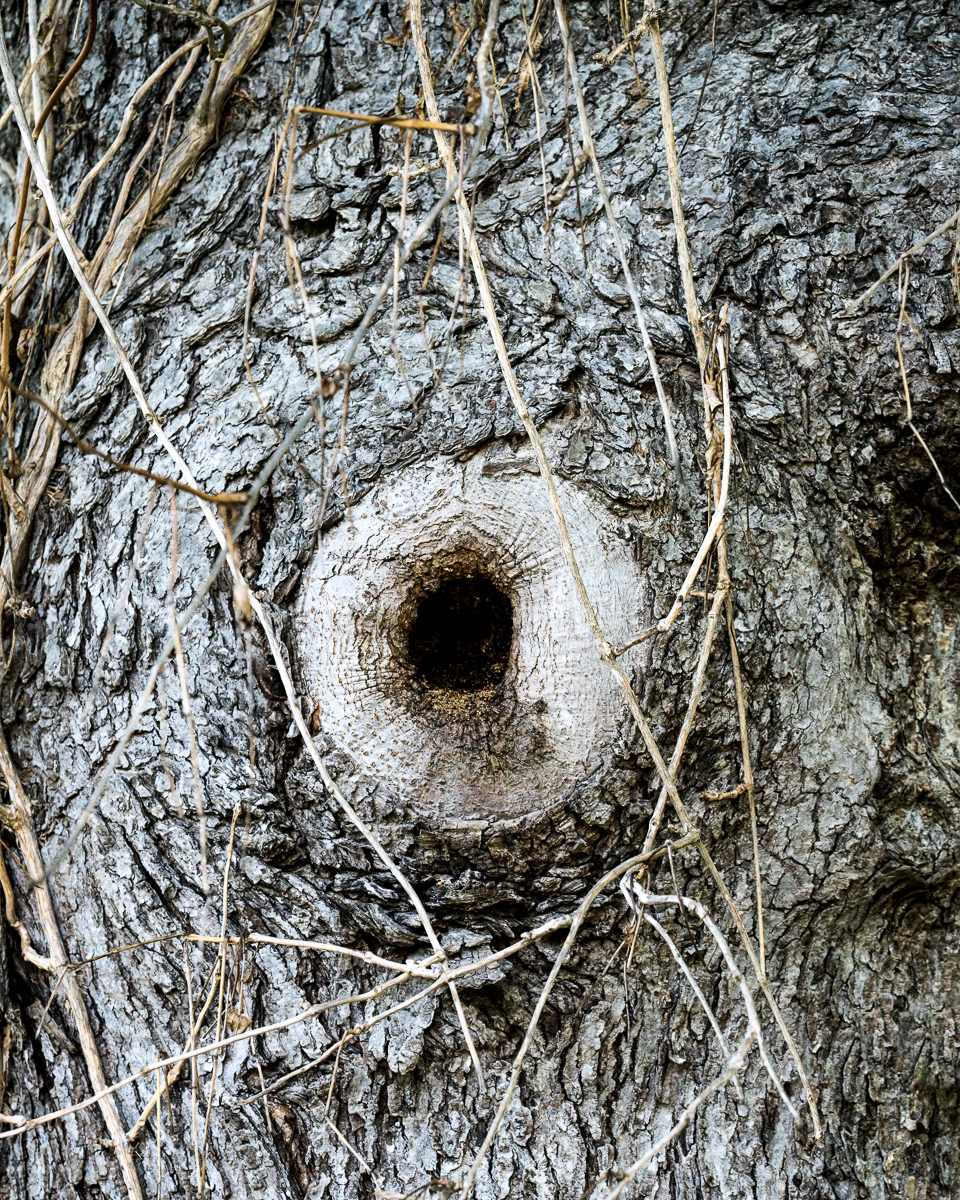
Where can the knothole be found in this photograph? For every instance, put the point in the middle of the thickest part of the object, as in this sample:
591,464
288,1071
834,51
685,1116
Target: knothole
444,650
461,635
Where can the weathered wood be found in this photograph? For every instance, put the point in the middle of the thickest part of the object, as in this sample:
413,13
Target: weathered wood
507,742
825,146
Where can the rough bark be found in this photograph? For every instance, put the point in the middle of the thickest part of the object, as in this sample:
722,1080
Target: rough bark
827,143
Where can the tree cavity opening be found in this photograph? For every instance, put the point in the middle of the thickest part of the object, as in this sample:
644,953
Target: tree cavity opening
461,635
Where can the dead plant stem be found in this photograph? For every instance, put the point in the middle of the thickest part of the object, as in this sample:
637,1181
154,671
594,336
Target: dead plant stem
673,172
852,307
57,955
604,648
586,136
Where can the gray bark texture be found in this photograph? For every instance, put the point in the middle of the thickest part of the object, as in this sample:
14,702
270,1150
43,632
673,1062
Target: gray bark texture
825,143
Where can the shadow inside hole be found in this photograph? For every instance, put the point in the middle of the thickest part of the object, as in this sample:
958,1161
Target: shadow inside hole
460,638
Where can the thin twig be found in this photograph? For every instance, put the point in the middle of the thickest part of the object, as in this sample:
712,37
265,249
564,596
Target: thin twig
673,173
696,690
195,1027
638,897
575,922
546,930
734,1067
185,702
220,995
586,136
905,257
41,961
86,447
398,122
635,34
130,112
716,523
688,975
902,286
56,951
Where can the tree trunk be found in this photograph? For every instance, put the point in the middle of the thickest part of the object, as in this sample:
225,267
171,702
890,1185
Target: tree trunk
474,765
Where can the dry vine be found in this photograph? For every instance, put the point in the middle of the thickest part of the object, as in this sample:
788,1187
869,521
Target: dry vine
227,516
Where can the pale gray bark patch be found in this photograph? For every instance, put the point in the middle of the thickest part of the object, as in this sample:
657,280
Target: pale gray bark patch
826,144
511,738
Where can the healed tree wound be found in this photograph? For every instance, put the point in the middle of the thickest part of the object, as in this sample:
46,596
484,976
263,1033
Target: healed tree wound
442,648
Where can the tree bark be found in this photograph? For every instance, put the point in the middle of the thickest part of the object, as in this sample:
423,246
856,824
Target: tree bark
474,767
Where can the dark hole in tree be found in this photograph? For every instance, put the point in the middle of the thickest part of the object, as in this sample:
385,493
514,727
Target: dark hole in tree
460,638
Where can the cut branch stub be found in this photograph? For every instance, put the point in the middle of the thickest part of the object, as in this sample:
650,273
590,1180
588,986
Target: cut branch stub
442,647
